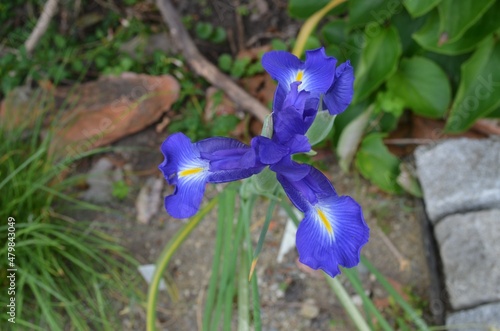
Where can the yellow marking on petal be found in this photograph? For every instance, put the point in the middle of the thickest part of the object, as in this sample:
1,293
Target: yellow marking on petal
299,76
325,221
188,172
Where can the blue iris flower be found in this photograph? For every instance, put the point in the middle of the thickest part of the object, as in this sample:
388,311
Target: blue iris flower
333,230
318,75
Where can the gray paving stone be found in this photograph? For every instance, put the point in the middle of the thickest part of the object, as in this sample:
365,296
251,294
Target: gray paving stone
470,250
482,318
459,175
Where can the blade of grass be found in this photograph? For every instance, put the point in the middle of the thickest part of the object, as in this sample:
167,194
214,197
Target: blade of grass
257,323
226,279
234,247
212,285
100,306
243,300
262,236
26,163
165,257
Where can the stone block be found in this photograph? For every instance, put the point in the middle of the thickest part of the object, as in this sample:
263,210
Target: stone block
485,317
459,175
470,250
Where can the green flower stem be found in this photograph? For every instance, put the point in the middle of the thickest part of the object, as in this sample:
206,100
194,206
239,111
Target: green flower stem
310,24
165,257
211,291
262,236
346,301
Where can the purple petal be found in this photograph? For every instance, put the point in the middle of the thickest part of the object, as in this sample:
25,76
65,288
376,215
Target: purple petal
180,154
186,199
332,234
299,144
339,95
279,97
184,168
296,114
190,166
229,159
282,66
319,71
291,171
269,152
298,182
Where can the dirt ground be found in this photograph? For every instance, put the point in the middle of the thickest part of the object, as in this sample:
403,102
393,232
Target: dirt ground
396,236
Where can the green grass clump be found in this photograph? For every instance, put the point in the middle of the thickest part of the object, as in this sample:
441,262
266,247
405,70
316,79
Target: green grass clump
69,275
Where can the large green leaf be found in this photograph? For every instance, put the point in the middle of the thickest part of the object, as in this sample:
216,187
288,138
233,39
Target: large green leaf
417,8
377,164
458,16
479,88
378,62
494,114
303,9
335,32
406,27
422,85
373,12
429,36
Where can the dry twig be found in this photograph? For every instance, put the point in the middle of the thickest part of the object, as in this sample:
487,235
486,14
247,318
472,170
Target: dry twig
49,9
203,67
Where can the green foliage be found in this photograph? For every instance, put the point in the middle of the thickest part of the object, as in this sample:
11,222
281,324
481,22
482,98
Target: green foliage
378,62
303,9
193,124
422,85
417,8
476,96
376,163
225,62
66,270
206,31
241,67
279,45
437,58
120,190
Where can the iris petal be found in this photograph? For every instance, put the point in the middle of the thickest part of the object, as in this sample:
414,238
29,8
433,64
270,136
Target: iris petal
339,95
187,196
282,66
319,71
180,155
320,248
269,151
333,229
290,170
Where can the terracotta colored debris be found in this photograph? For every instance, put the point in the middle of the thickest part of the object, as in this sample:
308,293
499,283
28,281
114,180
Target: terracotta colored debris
111,108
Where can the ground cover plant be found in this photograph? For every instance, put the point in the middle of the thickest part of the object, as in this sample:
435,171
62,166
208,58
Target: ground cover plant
65,270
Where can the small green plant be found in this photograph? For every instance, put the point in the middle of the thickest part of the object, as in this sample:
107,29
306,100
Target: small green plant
241,67
195,126
207,31
120,190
